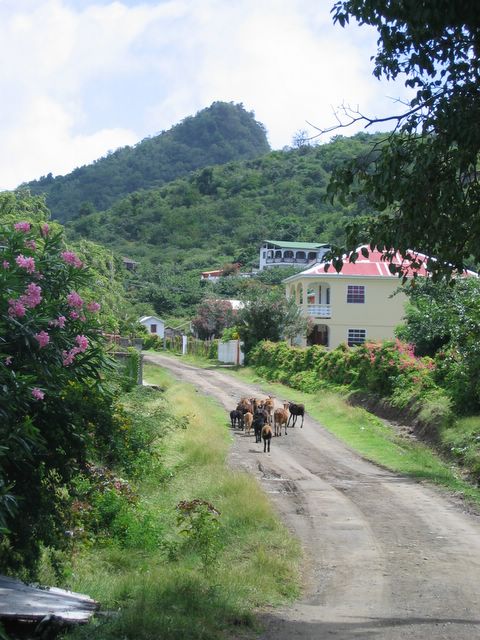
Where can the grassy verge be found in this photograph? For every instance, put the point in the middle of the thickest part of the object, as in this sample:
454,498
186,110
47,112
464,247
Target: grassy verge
206,581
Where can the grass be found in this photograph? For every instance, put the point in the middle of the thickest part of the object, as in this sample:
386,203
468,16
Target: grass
168,591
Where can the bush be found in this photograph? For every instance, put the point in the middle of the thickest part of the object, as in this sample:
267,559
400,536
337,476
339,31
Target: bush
54,406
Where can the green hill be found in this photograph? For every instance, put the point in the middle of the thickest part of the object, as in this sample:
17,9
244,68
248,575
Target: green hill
216,135
222,213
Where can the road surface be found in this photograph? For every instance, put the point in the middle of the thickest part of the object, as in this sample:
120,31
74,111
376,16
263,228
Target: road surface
387,558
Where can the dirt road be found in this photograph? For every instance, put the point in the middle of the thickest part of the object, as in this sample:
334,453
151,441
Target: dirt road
388,558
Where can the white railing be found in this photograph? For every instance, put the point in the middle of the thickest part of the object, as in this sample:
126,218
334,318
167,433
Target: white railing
319,310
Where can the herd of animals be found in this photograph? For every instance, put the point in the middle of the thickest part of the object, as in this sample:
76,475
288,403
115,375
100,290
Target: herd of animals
264,419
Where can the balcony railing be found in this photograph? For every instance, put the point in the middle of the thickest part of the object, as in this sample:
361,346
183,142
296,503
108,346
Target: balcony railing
319,310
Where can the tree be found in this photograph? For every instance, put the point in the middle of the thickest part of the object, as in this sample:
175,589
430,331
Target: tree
268,315
443,321
213,316
423,179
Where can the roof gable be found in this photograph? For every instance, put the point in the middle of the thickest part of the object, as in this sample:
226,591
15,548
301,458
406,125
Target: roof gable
155,318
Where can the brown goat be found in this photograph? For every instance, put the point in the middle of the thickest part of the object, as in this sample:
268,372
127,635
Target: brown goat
267,436
247,421
280,416
269,406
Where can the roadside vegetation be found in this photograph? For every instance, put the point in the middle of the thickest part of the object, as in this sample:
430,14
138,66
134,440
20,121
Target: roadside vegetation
193,548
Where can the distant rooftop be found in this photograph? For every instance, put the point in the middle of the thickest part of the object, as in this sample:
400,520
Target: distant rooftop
296,245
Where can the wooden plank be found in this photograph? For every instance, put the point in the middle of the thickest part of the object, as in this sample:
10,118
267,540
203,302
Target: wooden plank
22,601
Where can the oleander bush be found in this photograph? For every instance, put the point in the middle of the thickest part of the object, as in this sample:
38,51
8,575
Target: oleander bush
58,389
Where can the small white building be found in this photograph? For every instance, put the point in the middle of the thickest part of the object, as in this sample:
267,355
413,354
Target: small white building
275,253
154,325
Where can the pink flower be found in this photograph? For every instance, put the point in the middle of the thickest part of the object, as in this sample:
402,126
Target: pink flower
22,226
25,263
59,322
74,300
8,360
82,342
44,230
71,258
32,296
93,307
43,339
68,356
30,244
16,309
5,264
37,394
73,315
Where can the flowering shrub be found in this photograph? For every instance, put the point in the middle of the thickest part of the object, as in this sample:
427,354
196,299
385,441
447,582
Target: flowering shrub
49,343
389,369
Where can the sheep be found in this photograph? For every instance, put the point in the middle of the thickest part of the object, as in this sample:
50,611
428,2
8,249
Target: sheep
258,424
236,418
247,421
280,416
267,436
295,411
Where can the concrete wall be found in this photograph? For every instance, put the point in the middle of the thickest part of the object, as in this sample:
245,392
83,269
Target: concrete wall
230,352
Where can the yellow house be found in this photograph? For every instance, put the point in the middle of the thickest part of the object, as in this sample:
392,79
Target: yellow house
351,306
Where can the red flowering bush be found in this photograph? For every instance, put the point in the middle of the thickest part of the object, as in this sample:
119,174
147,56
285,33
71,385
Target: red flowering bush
50,344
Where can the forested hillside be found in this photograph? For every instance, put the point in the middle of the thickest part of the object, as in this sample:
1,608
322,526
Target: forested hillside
223,213
216,135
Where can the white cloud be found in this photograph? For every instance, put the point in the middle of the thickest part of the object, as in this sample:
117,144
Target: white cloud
79,78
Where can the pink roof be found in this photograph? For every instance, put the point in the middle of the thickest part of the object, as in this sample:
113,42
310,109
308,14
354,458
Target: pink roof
373,266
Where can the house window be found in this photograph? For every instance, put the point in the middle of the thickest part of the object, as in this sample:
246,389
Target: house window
153,328
356,336
264,254
355,293
328,295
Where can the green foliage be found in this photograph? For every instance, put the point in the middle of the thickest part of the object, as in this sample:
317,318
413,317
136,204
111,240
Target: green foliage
424,178
218,134
198,520
268,315
443,321
213,316
55,408
280,195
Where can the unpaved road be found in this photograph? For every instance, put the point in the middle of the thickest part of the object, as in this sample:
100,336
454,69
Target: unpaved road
387,558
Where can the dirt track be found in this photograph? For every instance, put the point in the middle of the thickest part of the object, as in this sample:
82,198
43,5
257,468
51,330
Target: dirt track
388,558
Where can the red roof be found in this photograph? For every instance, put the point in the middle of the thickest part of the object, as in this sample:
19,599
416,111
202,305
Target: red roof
374,266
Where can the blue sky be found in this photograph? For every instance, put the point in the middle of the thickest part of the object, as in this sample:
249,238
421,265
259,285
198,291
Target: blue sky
81,77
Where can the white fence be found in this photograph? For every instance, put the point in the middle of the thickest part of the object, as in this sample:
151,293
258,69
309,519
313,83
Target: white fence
230,352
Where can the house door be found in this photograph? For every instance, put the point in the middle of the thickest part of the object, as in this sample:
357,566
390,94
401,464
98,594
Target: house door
319,335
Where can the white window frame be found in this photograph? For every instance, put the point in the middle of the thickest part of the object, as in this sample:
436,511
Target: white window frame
351,338
356,288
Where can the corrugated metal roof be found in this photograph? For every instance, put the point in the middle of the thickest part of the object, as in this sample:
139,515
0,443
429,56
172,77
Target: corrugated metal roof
296,245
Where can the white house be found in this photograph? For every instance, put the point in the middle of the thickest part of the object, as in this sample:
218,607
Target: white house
275,253
154,325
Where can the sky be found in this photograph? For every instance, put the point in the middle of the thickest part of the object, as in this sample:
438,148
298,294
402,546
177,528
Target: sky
80,78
